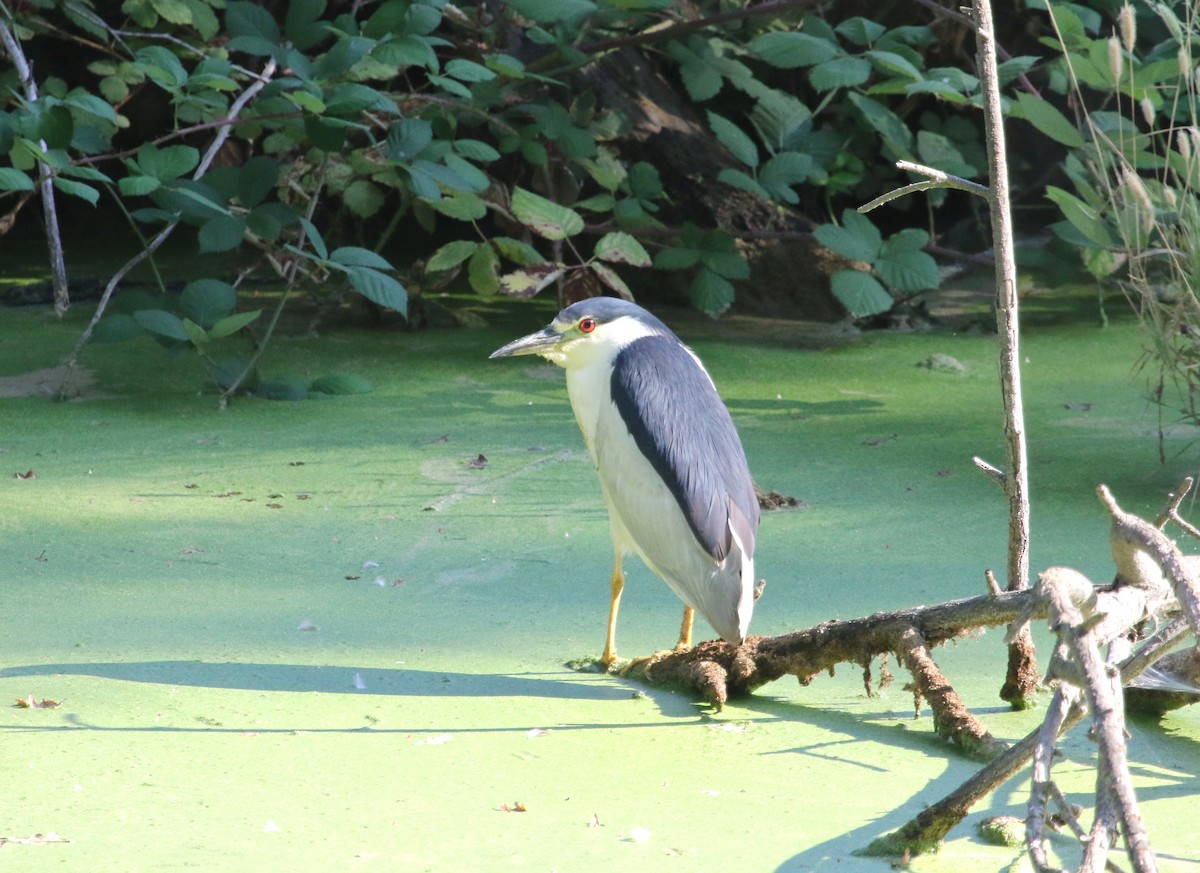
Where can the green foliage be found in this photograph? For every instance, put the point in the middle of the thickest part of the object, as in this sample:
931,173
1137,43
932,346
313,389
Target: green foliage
897,265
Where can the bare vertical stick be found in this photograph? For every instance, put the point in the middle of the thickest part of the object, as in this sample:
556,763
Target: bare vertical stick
1022,672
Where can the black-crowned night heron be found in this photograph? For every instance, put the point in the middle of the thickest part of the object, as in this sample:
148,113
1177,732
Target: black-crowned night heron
671,466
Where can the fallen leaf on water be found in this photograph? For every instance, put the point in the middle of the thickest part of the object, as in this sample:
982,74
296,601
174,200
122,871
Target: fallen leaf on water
1078,407
35,840
535,733
515,806
639,835
440,739
595,822
32,702
295,463
307,625
29,474
274,506
479,463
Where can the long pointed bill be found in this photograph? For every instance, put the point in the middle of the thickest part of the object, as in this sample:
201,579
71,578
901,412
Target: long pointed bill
535,344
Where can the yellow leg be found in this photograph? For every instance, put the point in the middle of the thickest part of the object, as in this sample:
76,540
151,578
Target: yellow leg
610,642
685,630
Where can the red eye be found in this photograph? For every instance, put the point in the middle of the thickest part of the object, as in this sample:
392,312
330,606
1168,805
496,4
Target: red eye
587,325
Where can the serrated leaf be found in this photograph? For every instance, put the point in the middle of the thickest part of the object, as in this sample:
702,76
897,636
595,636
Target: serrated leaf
889,125
529,280
551,11
363,197
168,162
137,186
621,248
743,181
231,324
544,217
856,238
845,72
14,180
355,256
862,295
515,250
461,205
784,170
256,179
483,270
790,50
673,258
162,323
207,301
379,288
222,233
734,138
476,150
903,266
77,189
341,384
609,277
710,293
468,71
895,64
451,255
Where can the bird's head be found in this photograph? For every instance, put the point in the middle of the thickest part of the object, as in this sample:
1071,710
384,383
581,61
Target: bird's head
598,326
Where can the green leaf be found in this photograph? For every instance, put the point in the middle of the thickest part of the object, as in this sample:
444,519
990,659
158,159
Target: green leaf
856,238
174,11
379,288
251,19
116,328
710,293
281,389
341,383
231,324
256,179
162,67
544,217
844,72
163,323
742,181
363,197
468,71
207,301
903,266
354,256
894,64
451,255
1045,117
790,50
673,258
889,125
77,189
14,180
735,139
195,333
408,137
1082,217
138,186
461,205
861,31
621,248
476,150
939,152
169,162
483,270
781,172
517,251
861,294
551,11
222,233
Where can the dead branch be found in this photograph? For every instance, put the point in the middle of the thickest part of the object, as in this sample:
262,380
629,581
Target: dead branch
1150,569
718,670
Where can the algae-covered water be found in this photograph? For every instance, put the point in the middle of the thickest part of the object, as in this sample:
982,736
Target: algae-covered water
328,635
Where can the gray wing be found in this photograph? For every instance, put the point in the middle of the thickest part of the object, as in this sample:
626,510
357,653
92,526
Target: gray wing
679,423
